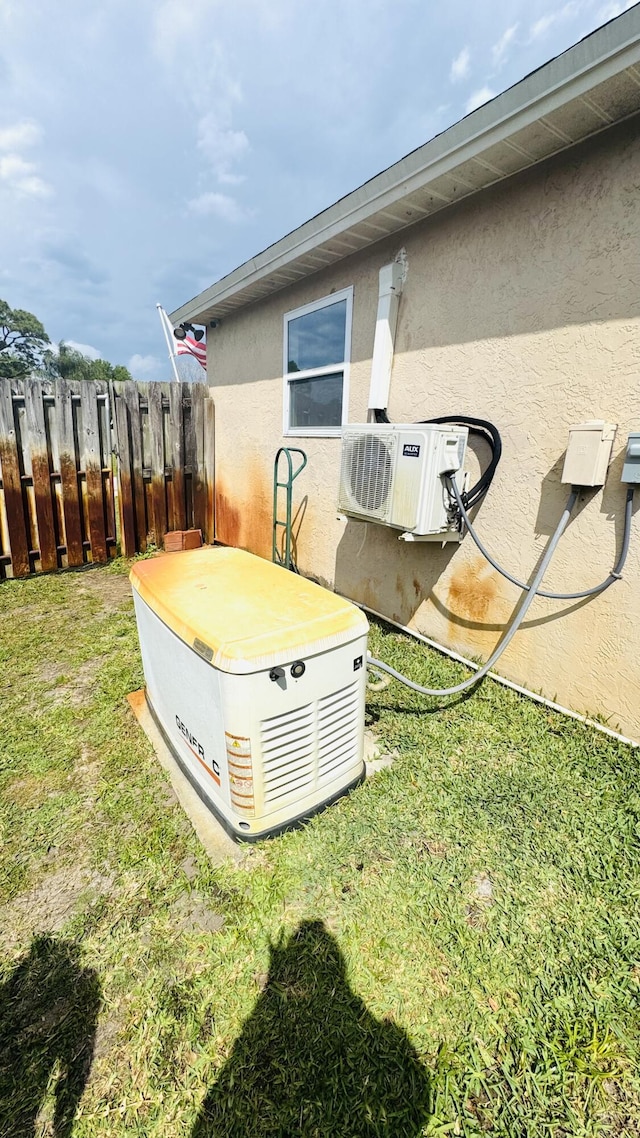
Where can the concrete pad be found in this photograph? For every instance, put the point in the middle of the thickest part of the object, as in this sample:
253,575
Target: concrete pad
215,840
374,760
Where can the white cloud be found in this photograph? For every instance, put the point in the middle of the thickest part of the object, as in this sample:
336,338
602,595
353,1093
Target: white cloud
220,205
21,177
16,173
499,49
221,145
143,365
478,98
228,179
615,8
174,22
542,25
209,83
19,135
87,350
460,66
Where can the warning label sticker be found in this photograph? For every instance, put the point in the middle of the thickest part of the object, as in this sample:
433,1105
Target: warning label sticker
238,746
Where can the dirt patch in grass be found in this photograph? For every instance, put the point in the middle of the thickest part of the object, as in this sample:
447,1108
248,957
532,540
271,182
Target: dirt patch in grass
190,913
74,690
108,1030
31,790
52,902
112,590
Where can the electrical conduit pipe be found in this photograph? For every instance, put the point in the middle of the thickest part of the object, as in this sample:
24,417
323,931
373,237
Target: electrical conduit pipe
379,666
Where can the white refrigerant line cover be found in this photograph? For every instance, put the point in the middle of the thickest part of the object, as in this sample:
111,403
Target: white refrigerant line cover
256,677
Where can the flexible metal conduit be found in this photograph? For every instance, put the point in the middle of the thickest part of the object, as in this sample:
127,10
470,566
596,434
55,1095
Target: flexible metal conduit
379,666
614,575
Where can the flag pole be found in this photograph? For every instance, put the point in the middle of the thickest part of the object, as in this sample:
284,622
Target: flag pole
168,335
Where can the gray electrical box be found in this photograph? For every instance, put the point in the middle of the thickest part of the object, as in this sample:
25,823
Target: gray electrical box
631,468
588,453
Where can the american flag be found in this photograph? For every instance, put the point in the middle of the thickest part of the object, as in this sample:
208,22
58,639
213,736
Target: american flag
197,348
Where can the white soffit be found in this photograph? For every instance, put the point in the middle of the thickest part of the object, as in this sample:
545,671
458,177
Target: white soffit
578,94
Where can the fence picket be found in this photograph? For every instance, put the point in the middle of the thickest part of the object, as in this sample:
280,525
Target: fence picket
125,478
131,395
92,461
12,484
176,425
71,505
41,472
158,484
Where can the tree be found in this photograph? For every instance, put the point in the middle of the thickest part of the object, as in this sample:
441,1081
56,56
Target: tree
69,363
22,341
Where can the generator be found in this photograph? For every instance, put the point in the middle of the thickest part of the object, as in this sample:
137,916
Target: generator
256,678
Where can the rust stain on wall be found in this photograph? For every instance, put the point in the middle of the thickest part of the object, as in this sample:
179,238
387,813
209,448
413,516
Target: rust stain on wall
243,511
363,592
228,516
400,588
471,594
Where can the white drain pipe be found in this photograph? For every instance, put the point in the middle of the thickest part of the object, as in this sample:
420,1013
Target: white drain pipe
389,289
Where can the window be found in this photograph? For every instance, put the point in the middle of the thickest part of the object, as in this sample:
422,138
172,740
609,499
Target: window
317,343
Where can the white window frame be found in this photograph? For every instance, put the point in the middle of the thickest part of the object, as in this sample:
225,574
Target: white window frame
314,373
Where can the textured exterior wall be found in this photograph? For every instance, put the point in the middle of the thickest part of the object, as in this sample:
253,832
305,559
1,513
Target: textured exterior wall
521,306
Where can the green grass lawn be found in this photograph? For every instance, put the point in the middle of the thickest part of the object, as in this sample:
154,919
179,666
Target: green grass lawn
453,949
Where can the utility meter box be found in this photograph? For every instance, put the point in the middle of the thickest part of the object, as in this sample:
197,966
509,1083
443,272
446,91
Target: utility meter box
588,453
631,468
256,678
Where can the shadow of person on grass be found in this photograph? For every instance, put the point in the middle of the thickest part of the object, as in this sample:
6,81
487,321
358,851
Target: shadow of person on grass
48,1012
311,1060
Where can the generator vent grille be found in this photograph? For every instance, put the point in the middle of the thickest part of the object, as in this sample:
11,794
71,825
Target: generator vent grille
311,745
288,752
338,731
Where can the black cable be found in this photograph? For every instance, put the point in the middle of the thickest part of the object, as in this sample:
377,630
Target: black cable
480,427
490,433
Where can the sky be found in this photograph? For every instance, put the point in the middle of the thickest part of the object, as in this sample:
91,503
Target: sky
148,147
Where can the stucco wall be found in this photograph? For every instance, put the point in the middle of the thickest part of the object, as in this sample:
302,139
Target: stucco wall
521,306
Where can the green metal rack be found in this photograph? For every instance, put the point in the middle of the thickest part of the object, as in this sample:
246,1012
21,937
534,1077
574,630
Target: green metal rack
288,487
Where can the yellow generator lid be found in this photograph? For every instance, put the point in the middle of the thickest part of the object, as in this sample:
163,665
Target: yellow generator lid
242,613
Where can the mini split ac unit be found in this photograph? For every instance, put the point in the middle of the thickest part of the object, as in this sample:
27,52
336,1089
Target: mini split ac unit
393,474
256,678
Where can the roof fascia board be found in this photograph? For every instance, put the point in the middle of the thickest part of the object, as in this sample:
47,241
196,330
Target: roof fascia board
517,108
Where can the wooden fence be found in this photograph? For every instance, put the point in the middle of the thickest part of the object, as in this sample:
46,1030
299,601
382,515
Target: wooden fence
56,499
164,444
57,488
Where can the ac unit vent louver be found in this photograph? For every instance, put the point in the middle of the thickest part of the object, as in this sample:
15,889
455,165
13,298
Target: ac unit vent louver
367,470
